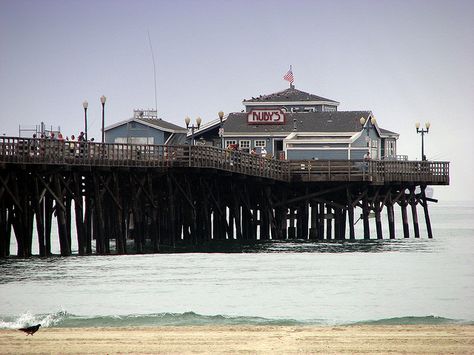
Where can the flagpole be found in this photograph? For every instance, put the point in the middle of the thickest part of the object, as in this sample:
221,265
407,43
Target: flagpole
289,77
291,70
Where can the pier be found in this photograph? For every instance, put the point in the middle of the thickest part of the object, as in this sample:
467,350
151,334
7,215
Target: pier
171,198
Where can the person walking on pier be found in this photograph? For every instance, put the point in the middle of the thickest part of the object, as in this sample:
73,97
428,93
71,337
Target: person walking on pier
72,146
33,146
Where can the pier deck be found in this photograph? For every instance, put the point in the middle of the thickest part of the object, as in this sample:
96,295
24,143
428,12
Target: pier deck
36,151
175,197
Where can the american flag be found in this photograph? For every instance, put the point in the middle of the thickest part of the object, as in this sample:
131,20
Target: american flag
289,76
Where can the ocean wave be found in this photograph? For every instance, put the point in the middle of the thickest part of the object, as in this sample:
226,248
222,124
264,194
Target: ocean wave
27,319
63,319
412,320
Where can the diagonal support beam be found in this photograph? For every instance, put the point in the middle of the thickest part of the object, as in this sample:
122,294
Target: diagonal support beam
310,196
12,195
185,195
56,198
106,185
143,189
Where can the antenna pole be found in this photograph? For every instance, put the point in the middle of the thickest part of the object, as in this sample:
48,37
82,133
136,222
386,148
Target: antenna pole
154,72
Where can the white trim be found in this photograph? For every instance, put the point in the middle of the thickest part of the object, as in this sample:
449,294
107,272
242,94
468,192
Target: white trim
324,134
166,141
289,135
389,135
213,122
376,124
182,130
262,134
317,148
244,140
226,142
290,103
209,125
118,124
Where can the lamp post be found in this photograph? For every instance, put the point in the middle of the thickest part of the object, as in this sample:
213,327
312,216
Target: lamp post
85,104
187,120
365,127
102,101
221,128
422,131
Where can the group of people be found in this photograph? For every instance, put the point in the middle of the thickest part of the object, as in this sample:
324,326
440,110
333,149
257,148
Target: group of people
52,136
46,145
263,152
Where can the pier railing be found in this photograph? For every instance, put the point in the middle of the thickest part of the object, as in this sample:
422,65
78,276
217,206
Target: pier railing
58,152
375,171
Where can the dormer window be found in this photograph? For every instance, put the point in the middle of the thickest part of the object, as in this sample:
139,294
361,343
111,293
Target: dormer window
329,108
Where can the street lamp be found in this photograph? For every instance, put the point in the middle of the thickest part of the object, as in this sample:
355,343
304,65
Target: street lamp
187,120
367,128
102,101
221,129
422,131
85,104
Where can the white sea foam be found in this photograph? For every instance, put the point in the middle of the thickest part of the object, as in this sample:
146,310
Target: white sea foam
26,319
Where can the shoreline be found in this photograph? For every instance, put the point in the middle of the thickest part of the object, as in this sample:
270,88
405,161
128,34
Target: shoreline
397,339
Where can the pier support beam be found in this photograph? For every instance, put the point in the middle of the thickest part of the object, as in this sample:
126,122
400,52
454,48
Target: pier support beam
427,215
403,206
365,216
416,228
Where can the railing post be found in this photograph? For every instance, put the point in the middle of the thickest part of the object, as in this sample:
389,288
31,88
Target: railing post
189,155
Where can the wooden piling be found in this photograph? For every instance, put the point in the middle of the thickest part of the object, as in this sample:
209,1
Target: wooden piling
416,227
403,206
425,209
365,216
329,217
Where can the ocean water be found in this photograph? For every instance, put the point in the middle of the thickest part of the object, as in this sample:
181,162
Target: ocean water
402,281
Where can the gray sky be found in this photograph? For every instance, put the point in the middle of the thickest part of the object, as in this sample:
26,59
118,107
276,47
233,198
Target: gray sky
406,61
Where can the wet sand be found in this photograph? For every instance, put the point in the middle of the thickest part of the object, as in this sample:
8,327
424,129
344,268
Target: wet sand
406,339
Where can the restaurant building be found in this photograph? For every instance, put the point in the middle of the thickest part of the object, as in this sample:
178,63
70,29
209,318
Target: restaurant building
293,124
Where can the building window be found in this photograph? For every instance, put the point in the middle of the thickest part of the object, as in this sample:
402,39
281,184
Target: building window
374,148
244,146
261,143
390,148
230,142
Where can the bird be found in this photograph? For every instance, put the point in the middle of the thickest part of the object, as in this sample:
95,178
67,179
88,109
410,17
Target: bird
31,330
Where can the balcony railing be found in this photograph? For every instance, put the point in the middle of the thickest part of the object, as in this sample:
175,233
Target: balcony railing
58,152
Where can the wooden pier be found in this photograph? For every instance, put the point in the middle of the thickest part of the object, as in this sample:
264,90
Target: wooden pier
170,198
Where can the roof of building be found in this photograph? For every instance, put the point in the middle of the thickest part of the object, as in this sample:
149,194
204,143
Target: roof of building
157,123
290,95
163,124
386,132
176,139
336,121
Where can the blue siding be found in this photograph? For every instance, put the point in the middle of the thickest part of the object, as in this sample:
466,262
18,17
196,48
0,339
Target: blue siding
135,129
269,141
358,154
311,154
361,141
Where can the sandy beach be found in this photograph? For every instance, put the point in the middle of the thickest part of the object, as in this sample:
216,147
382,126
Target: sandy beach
452,339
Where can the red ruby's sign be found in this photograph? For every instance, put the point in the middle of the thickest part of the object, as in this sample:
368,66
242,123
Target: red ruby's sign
266,116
